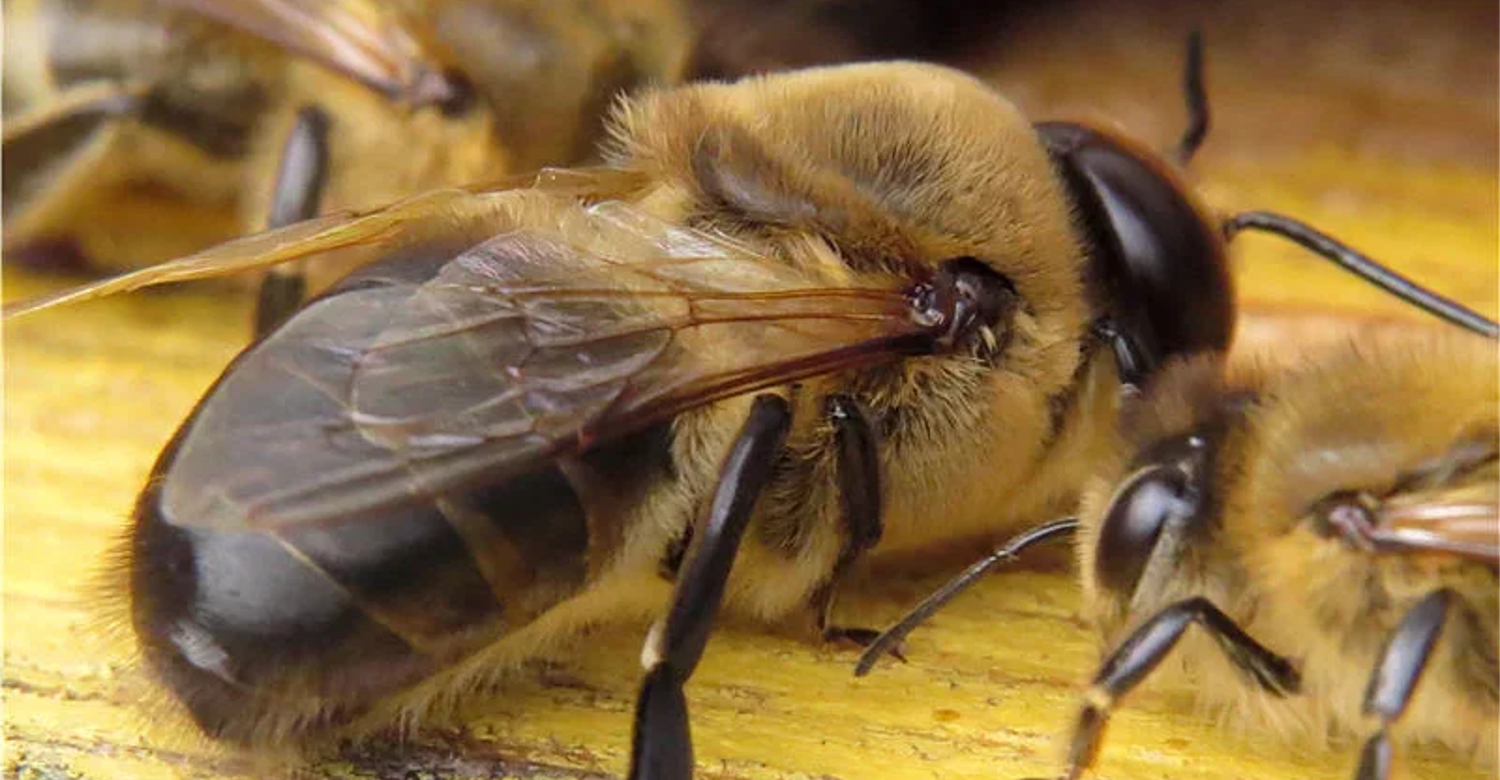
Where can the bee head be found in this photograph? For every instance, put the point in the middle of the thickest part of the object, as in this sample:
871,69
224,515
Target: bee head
1149,516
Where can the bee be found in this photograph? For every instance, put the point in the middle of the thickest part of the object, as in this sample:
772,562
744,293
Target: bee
1335,532
1333,529
143,129
789,322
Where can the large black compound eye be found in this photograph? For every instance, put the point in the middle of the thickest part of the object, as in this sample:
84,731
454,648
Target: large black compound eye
1162,491
1157,264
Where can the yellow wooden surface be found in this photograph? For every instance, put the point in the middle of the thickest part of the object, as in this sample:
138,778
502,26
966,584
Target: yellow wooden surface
1380,126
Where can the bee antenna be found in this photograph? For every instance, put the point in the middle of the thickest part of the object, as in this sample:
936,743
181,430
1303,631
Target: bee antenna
1350,259
892,636
1197,101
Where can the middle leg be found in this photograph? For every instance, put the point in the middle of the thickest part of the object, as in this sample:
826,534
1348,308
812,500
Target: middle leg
861,507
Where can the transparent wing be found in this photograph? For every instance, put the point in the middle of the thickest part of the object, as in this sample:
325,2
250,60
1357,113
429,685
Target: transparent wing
563,329
1461,519
364,40
416,220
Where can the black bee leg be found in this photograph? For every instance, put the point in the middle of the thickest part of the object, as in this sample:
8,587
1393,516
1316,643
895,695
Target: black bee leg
1132,363
1005,553
860,495
1401,665
299,189
1143,650
662,746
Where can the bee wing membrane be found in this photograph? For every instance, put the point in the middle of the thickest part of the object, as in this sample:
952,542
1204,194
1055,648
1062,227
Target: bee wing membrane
409,221
1464,523
543,338
365,41
445,213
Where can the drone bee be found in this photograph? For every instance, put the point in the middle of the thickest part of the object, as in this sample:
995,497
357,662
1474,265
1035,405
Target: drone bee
791,321
142,129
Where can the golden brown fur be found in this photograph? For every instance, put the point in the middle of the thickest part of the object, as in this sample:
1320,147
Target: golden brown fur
926,165
1354,418
968,448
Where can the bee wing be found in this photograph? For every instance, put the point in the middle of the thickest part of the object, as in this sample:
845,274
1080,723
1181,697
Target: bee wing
541,340
261,250
411,221
1460,518
362,39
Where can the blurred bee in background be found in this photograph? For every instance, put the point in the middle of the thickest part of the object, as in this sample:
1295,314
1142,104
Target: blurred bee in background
138,130
790,322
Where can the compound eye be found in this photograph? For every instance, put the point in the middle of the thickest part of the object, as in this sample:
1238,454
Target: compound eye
1157,263
1135,519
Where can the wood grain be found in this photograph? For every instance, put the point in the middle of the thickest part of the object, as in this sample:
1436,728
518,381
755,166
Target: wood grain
1379,126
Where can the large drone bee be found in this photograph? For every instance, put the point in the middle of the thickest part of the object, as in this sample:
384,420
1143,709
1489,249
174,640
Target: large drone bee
792,320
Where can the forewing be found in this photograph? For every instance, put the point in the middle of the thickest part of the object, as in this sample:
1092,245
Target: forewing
1461,520
364,40
375,232
541,340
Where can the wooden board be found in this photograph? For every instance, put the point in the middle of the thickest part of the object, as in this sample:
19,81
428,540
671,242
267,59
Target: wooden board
1379,127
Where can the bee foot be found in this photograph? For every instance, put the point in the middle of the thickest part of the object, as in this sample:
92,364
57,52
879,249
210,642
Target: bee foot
862,638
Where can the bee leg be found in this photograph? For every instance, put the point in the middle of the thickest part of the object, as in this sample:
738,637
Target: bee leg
1145,649
296,197
1132,364
662,745
1395,677
860,496
1009,551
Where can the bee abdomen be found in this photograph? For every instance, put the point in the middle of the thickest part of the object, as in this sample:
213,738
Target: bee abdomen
311,625
277,629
